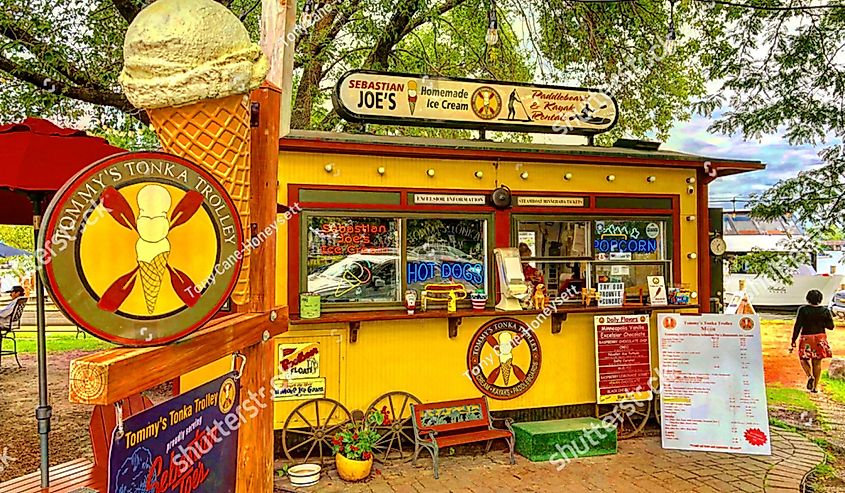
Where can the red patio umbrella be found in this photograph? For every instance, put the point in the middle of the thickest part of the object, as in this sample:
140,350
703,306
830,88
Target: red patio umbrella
36,159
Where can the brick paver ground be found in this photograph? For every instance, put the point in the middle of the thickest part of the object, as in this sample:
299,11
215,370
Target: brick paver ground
641,466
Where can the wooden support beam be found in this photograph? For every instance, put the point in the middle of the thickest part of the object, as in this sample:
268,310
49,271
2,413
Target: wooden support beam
109,376
278,19
255,443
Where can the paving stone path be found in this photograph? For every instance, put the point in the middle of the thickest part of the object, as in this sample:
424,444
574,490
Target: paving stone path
833,417
641,466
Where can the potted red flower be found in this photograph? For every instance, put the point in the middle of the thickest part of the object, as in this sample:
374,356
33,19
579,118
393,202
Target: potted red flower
353,447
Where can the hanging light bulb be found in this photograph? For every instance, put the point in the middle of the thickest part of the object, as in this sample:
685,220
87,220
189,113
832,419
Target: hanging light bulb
492,25
671,38
307,14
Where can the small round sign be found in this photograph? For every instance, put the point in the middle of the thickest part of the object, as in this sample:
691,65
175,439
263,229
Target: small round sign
652,230
504,358
141,249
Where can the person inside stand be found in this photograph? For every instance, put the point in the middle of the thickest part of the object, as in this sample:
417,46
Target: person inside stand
532,274
810,324
7,311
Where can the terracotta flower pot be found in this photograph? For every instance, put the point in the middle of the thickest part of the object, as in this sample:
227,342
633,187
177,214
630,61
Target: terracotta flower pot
353,470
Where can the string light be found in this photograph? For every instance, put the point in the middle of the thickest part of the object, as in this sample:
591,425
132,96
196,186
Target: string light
670,36
492,25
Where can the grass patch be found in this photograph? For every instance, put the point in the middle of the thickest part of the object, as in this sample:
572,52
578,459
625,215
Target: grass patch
792,399
57,343
783,425
834,388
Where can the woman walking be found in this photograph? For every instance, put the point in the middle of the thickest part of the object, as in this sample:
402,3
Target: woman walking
810,324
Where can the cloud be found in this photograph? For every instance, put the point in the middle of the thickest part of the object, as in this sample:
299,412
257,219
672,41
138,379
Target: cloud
782,160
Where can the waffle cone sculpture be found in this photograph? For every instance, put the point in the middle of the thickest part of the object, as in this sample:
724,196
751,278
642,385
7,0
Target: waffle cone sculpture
191,65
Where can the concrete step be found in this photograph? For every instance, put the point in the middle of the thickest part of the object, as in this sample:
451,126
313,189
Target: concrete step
564,438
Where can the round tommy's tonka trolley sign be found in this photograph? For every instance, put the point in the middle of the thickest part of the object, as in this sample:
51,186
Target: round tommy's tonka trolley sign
141,249
504,358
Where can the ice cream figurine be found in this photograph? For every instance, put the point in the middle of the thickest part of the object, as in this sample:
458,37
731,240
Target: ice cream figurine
191,65
152,247
505,356
412,95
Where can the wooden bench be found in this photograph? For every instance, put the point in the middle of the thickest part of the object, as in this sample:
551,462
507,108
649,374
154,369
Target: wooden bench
449,423
82,473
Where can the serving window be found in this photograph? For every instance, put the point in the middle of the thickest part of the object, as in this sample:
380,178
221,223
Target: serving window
568,254
367,260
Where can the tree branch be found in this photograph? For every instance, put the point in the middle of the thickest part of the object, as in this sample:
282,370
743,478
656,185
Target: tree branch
442,10
392,34
86,94
128,9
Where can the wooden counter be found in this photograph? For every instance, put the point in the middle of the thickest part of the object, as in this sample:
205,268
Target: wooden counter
354,319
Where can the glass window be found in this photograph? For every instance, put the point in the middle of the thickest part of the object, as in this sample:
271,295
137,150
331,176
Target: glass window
446,250
352,259
568,255
629,240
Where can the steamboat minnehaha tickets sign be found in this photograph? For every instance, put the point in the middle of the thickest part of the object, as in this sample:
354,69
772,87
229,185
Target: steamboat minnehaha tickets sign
420,100
141,249
504,358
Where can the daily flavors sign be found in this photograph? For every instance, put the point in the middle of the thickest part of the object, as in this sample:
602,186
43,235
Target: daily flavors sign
713,394
141,248
377,97
623,358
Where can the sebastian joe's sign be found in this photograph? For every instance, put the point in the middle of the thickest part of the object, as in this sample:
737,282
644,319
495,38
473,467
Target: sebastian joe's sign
141,248
418,100
187,444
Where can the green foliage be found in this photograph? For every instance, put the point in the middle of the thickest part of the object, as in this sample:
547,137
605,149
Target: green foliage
20,237
783,425
792,399
834,388
356,440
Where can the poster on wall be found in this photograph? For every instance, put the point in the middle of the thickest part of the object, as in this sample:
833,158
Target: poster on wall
713,392
623,358
189,443
299,373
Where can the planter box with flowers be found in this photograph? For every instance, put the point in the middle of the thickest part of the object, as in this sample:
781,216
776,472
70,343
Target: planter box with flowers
353,447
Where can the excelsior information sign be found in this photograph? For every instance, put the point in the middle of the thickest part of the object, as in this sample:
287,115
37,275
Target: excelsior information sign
186,444
713,394
421,100
623,358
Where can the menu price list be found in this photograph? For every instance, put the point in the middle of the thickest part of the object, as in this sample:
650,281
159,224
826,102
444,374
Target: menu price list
713,394
623,357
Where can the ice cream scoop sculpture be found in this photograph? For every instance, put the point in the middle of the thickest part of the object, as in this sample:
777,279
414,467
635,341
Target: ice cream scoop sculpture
191,65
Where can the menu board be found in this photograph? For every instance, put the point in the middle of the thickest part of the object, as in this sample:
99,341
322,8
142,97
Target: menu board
713,394
623,358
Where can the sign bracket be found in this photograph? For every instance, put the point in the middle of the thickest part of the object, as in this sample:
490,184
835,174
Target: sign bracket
557,321
454,323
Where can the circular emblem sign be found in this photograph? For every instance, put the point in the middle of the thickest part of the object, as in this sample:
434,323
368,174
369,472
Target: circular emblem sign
504,358
141,249
486,103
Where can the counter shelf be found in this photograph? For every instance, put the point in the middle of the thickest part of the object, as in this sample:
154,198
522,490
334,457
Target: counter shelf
455,319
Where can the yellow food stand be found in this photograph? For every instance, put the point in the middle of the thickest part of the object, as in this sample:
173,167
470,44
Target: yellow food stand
365,219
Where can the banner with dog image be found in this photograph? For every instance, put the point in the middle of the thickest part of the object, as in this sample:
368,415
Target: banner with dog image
187,444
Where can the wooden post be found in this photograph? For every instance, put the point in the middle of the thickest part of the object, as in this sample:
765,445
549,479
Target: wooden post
278,19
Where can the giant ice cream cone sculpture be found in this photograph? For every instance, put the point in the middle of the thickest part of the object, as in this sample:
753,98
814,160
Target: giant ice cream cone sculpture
191,65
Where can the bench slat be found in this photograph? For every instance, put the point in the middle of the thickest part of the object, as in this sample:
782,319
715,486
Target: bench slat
64,478
464,438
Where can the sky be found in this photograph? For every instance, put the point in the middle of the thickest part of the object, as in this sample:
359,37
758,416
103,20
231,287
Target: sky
781,159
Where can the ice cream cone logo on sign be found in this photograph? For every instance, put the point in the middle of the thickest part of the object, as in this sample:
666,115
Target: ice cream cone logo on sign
412,95
486,103
746,323
504,358
142,248
195,91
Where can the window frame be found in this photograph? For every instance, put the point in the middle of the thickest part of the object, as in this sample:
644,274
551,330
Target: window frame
590,262
401,217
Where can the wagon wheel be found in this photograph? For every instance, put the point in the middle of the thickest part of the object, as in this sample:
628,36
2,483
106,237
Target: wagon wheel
658,409
396,442
630,417
310,427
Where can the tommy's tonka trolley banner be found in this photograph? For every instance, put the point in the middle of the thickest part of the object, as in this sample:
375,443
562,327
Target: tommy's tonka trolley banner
188,444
